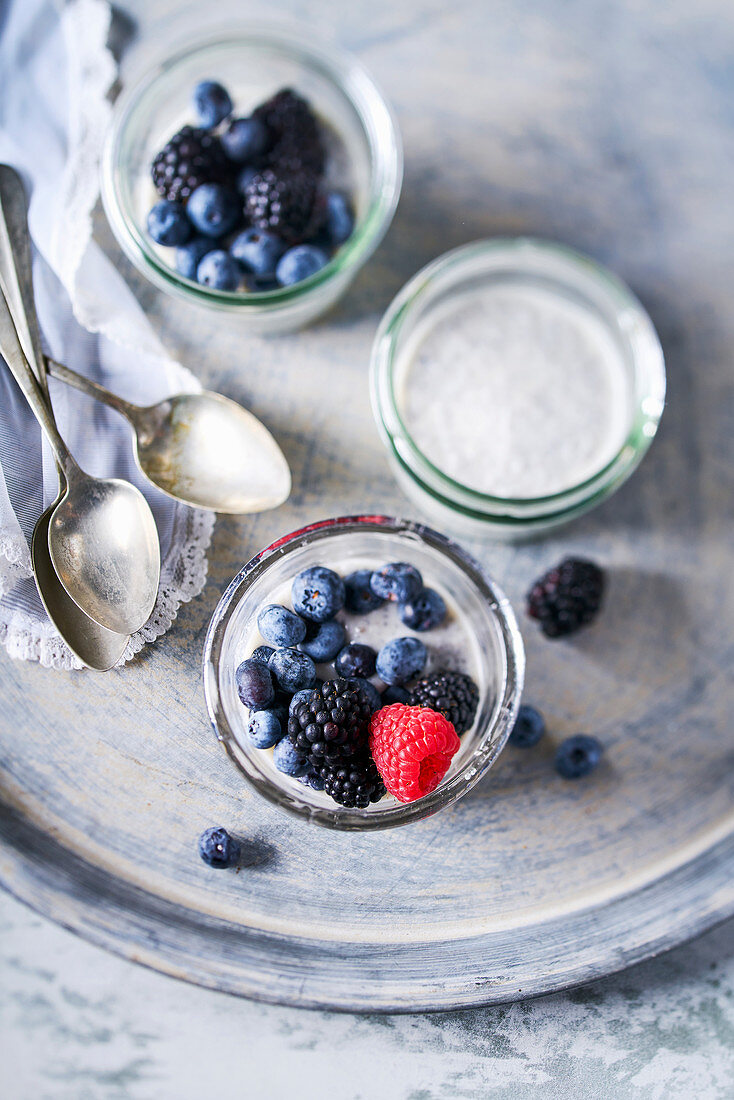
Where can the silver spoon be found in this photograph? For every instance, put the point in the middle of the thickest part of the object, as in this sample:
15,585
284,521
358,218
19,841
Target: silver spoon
200,448
94,645
102,536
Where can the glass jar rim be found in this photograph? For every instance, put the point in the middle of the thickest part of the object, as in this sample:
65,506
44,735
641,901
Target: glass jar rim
344,72
633,321
509,690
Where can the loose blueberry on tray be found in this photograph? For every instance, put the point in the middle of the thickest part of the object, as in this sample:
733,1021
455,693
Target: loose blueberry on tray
529,727
218,848
578,756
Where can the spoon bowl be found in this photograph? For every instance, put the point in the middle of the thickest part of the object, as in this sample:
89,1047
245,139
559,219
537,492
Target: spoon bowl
199,448
211,453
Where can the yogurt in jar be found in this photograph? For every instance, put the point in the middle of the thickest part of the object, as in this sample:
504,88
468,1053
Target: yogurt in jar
515,390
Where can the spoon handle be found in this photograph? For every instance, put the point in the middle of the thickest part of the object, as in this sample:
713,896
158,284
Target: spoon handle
21,370
16,271
92,389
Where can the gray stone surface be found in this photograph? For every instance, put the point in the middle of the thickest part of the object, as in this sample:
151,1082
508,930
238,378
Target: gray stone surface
604,124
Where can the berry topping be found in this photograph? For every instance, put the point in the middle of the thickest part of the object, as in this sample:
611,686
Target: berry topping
318,593
324,641
567,597
412,748
265,727
300,263
190,158
167,223
396,694
577,756
424,612
280,626
293,670
332,725
211,103
369,691
356,660
258,252
528,729
289,760
339,218
263,653
189,256
245,139
283,204
452,694
312,779
397,581
401,659
213,209
359,596
355,783
294,132
218,848
219,271
254,684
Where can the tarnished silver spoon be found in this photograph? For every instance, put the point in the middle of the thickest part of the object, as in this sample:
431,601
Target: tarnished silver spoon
94,645
200,448
102,536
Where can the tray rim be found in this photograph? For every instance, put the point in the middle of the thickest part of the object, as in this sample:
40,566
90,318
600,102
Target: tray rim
95,905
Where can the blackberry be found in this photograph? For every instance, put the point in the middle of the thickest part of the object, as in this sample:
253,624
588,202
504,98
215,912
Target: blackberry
295,138
567,597
190,158
452,694
355,783
284,204
332,725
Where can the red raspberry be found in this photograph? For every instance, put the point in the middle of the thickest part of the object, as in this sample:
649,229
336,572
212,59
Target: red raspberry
412,747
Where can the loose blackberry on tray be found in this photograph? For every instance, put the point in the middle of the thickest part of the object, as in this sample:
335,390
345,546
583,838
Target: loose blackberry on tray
255,185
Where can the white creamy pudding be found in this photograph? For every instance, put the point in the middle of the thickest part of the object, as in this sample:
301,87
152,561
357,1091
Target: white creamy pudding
514,391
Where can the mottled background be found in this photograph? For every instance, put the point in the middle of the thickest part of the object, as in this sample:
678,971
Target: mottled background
610,126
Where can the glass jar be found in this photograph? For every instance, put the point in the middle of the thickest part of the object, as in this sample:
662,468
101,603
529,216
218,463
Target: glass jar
253,61
486,615
445,285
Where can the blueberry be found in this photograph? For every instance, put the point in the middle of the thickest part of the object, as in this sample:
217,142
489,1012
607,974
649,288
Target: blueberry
280,626
213,209
264,728
292,670
400,660
258,251
244,139
528,729
263,653
211,103
577,756
325,641
218,848
189,255
167,223
373,696
312,779
300,263
245,177
219,271
356,660
397,581
288,760
395,694
301,696
359,596
339,218
254,684
317,593
424,612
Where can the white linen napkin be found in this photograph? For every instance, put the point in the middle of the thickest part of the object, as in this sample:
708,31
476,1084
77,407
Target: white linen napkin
54,115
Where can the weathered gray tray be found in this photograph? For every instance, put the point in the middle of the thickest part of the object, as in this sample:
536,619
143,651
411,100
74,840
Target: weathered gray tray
527,885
